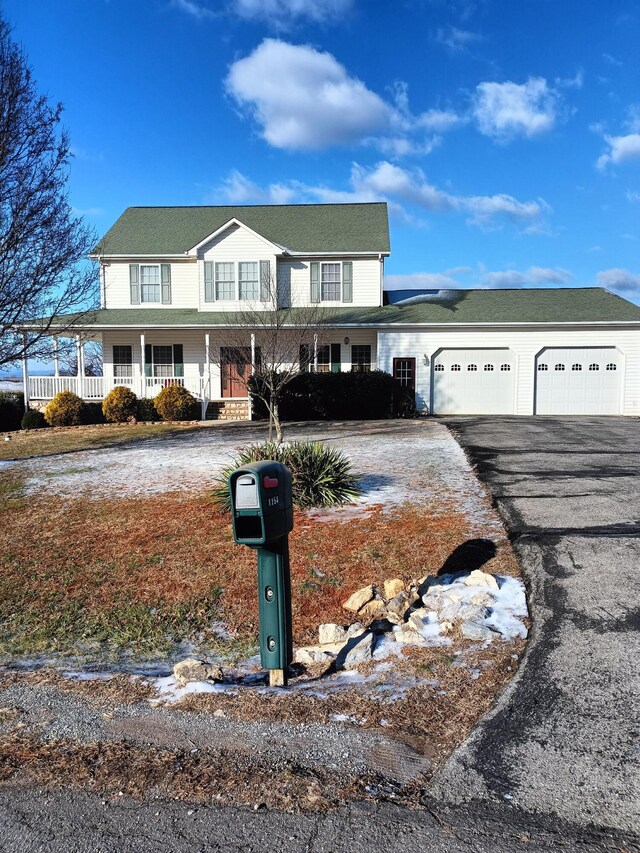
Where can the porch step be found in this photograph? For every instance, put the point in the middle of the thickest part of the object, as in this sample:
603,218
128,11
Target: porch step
228,410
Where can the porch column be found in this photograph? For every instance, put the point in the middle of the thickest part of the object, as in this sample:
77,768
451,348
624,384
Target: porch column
206,379
79,383
143,381
315,353
25,371
56,356
253,370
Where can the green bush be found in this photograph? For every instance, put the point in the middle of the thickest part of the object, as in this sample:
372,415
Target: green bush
330,396
175,403
147,410
66,409
33,419
321,476
92,414
11,409
120,404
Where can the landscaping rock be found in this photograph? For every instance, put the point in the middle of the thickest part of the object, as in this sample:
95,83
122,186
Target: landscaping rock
355,630
479,578
407,635
450,611
309,655
392,588
482,599
359,598
331,633
373,610
381,626
417,619
472,613
398,606
193,669
357,651
475,631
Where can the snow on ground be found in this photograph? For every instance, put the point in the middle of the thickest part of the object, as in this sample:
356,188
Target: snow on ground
398,461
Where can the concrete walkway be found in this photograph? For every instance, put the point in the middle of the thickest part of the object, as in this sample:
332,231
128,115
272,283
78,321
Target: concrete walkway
565,738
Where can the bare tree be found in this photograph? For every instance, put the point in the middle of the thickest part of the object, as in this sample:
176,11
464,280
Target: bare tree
288,340
92,358
43,246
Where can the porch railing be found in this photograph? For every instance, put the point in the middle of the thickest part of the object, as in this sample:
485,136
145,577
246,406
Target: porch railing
97,387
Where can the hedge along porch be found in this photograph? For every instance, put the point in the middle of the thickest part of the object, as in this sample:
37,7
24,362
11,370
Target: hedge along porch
212,364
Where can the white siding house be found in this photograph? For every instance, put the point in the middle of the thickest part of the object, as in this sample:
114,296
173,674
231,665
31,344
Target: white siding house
182,287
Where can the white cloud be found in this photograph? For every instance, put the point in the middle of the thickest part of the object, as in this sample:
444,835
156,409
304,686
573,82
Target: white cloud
611,60
619,280
506,110
455,39
283,13
399,187
420,281
305,99
622,149
88,211
439,121
195,10
633,196
533,277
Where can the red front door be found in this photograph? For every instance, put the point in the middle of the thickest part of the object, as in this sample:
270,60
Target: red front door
236,370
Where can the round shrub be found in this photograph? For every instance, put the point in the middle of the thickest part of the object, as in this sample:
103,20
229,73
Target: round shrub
92,414
146,410
120,404
33,419
175,403
66,409
11,409
321,476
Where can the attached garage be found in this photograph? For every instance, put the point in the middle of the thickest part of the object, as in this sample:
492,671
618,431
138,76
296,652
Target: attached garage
474,382
578,381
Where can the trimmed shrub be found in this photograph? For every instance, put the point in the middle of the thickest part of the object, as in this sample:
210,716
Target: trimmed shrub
331,396
33,419
11,409
321,476
146,410
66,409
175,403
120,404
92,414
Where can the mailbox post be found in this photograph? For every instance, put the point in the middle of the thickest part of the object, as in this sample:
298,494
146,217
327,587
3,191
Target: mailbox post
262,517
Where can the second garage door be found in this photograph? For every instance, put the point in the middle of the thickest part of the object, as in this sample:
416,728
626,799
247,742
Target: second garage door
474,382
572,381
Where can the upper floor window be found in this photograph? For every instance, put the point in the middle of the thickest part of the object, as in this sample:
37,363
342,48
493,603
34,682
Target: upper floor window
330,282
361,358
225,280
248,280
150,283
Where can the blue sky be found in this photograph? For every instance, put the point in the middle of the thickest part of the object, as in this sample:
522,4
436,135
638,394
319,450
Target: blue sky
504,135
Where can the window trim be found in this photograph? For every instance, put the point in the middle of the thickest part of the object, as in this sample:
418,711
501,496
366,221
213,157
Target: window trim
142,285
338,264
361,366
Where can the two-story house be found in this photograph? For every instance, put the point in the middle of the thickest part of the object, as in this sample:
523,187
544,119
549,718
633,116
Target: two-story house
185,289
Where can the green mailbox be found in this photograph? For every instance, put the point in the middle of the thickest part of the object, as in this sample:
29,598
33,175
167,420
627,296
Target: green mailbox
262,517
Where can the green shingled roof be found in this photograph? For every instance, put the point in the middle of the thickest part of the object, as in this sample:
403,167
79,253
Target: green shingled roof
559,305
297,227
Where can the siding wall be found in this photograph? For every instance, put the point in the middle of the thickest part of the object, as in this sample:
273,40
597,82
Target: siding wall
524,343
295,281
184,285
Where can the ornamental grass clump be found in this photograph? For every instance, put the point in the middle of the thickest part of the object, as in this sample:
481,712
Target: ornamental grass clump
66,409
175,403
120,405
321,476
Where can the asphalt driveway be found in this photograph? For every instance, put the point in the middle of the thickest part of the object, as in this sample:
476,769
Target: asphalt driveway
565,738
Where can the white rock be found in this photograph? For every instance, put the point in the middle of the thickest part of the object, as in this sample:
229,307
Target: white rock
359,598
193,669
479,578
357,651
331,633
482,599
450,612
407,635
392,588
472,613
475,631
355,630
452,595
313,654
398,606
417,619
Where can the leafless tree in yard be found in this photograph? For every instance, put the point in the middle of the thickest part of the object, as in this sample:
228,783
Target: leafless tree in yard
93,360
286,340
43,245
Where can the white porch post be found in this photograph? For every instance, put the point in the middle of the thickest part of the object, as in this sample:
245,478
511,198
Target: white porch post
79,388
143,381
315,353
206,379
25,371
253,370
56,356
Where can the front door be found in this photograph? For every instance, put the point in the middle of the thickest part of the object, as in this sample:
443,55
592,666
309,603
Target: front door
404,373
236,370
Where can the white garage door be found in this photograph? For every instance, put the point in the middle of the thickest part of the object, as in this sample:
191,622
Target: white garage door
474,382
578,381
